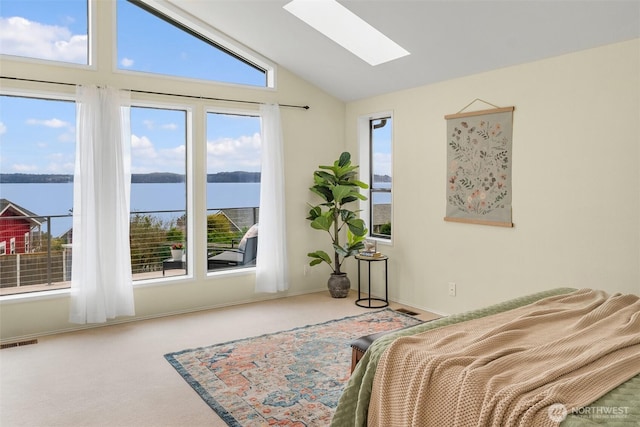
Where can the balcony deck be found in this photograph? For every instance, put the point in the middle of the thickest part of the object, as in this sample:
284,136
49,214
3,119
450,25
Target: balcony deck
37,262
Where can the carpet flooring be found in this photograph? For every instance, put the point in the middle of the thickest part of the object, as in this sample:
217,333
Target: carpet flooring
116,376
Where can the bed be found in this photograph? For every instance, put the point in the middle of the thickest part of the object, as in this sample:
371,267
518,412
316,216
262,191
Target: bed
618,406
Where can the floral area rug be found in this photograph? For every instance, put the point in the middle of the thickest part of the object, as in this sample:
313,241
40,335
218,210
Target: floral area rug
291,378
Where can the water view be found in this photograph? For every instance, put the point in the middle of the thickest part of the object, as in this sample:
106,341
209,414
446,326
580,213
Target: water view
57,199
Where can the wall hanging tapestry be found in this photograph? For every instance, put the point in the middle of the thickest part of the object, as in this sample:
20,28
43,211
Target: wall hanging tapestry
479,167
292,378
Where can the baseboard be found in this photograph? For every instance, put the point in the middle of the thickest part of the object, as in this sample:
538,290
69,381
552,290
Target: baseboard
76,328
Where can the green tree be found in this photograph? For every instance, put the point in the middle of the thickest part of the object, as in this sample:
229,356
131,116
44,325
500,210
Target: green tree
175,235
219,229
386,229
148,242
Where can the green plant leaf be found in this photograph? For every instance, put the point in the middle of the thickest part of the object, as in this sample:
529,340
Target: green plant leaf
349,199
322,177
341,192
357,227
323,222
318,257
340,250
345,159
323,191
360,184
346,215
314,213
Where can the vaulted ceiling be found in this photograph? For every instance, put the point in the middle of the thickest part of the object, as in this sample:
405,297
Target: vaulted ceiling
447,39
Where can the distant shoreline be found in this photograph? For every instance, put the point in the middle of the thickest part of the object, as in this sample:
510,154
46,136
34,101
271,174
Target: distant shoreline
145,178
136,178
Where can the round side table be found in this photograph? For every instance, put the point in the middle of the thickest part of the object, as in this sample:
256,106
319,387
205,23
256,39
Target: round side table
369,301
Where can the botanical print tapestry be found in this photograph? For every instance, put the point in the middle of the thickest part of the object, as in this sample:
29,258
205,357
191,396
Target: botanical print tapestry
479,167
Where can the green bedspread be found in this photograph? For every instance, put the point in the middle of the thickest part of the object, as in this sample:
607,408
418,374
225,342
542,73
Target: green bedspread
619,407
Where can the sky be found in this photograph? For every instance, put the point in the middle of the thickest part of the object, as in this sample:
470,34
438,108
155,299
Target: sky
57,30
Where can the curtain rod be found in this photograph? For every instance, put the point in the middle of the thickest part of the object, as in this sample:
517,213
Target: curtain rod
305,107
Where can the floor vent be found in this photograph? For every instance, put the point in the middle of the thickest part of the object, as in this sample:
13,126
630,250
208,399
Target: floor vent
405,311
18,344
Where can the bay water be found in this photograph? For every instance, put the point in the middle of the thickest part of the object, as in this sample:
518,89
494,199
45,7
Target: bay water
57,199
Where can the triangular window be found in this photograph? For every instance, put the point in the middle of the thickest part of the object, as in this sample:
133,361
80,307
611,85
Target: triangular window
152,41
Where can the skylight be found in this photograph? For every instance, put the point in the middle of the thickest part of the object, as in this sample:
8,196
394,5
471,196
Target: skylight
347,29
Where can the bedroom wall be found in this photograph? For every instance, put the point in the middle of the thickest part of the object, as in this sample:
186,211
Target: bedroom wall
311,137
576,185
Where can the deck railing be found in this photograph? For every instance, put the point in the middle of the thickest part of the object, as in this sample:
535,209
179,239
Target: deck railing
38,261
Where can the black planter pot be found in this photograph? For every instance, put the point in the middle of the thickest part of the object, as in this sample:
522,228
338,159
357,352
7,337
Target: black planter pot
339,285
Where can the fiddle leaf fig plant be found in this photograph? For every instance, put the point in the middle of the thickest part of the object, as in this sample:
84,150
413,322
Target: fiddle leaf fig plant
337,186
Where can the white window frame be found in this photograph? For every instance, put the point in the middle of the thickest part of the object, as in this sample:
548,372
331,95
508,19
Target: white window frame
27,242
364,143
3,248
12,246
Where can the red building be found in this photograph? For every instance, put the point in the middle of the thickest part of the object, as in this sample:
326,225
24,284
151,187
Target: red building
17,227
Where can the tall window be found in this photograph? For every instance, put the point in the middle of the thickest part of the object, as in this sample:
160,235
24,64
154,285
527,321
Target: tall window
152,42
376,166
233,189
37,140
158,192
54,30
37,137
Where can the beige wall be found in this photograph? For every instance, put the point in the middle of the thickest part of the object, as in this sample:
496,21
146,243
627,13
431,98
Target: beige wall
576,185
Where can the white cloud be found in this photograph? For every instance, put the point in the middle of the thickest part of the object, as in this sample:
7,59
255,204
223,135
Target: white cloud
151,125
383,163
224,154
146,158
51,123
239,154
19,36
141,147
63,168
60,163
22,168
67,137
3,128
126,62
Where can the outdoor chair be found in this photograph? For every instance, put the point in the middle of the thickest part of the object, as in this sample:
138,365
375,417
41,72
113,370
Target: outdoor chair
243,255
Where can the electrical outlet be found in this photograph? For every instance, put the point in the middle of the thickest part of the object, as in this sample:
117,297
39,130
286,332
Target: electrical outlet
452,289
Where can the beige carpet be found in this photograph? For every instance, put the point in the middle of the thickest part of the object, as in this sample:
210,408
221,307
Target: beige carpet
117,375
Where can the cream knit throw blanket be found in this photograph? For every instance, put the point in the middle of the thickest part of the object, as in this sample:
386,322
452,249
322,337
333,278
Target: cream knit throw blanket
512,368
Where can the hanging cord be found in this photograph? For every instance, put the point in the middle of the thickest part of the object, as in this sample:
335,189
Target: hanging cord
304,107
475,100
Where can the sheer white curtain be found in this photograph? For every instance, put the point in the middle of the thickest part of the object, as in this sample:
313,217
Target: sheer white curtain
101,282
272,266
